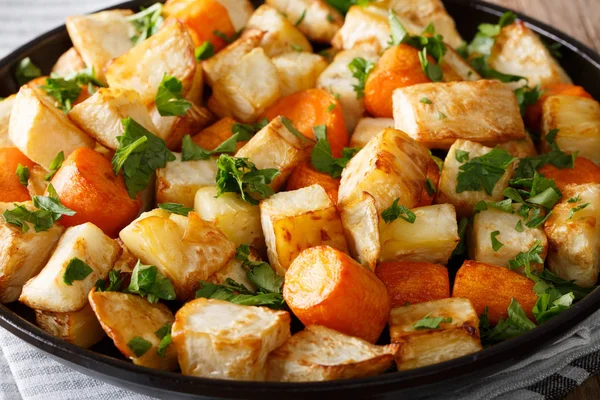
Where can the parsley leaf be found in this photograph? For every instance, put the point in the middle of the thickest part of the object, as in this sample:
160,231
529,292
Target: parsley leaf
480,64
360,69
551,303
146,22
321,156
430,187
428,322
205,51
573,210
26,71
65,92
226,38
496,245
425,100
76,270
524,259
396,211
176,208
563,285
461,247
169,100
527,96
343,5
23,174
519,226
115,281
575,199
139,154
147,282
55,165
299,21
164,334
139,346
515,325
239,175
483,172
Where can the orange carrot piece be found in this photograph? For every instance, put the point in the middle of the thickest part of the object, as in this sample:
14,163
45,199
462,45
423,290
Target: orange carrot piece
584,171
305,175
326,287
310,108
493,287
86,184
10,186
413,281
210,138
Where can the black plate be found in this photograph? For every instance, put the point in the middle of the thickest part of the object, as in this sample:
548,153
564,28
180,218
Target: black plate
580,62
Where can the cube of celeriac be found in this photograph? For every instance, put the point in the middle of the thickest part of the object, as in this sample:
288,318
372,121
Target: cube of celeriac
246,89
179,180
296,220
422,347
514,242
100,37
172,129
578,122
70,61
6,107
392,165
519,51
431,238
520,148
218,339
48,291
100,116
236,218
23,254
367,129
37,183
236,271
170,51
275,146
482,111
573,232
281,35
127,316
464,202
185,250
298,71
456,68
361,225
321,354
337,79
239,12
32,117
80,328
315,18
364,26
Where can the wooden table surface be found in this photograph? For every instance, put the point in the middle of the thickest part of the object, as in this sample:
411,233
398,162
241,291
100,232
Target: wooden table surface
581,20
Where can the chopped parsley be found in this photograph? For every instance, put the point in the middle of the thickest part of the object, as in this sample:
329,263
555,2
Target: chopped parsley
176,208
360,69
139,346
169,100
525,259
299,21
64,92
430,187
76,270
461,248
205,51
573,210
296,47
240,175
115,281
344,5
23,174
164,334
425,100
496,244
227,39
515,325
527,96
482,173
396,211
26,71
147,282
55,165
428,322
519,226
146,22
321,156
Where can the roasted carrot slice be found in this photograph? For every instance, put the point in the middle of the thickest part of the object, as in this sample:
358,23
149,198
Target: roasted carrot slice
310,108
399,66
584,171
86,184
533,116
493,287
324,286
10,186
203,18
413,281
210,138
305,175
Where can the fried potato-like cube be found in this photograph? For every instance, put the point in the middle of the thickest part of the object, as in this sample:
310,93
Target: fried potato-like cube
37,183
337,79
126,261
456,68
275,146
514,242
324,286
218,339
100,37
494,287
578,121
70,61
305,175
296,220
315,18
422,347
321,354
48,291
281,35
32,117
520,51
520,148
431,238
364,26
361,224
584,171
412,282
127,316
80,328
484,111
390,166
211,137
246,90
23,254
573,232
185,250
100,116
6,107
236,218
298,71
172,129
464,202
236,271
170,51
179,180
367,129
